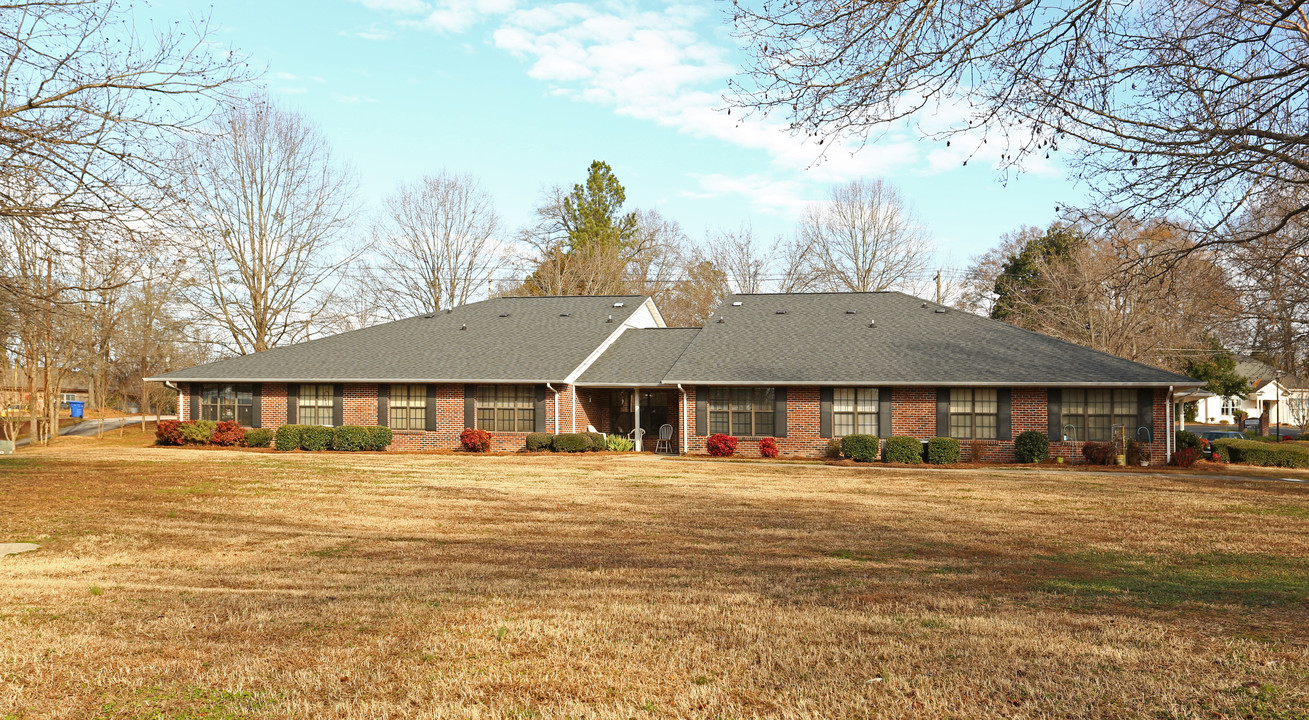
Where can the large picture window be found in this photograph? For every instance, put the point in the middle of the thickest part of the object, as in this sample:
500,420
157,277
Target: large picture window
1093,413
408,407
854,410
744,412
316,405
1229,405
223,402
506,408
974,413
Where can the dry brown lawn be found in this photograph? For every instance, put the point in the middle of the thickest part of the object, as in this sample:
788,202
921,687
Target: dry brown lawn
178,583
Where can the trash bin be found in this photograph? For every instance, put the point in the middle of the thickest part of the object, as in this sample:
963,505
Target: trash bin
77,406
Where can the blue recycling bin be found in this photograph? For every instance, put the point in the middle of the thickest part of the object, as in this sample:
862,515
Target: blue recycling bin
76,406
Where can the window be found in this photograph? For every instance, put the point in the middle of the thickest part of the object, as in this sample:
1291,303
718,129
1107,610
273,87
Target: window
974,413
408,407
226,402
316,405
506,408
854,410
1093,413
1229,406
743,412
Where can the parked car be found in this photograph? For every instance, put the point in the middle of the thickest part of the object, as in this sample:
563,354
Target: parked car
1209,436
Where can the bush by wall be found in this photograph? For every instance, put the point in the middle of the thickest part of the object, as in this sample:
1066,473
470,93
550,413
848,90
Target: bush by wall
536,442
942,451
228,434
1098,453
571,443
904,449
1185,457
618,443
597,441
768,448
168,432
1254,452
1185,439
258,437
861,448
474,440
288,437
351,438
833,451
1031,447
198,432
1138,452
379,437
721,445
315,438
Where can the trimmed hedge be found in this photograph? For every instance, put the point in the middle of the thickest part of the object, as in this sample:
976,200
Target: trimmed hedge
315,438
1185,439
288,437
904,449
168,432
597,441
1031,447
258,437
536,442
571,443
942,451
379,437
861,448
351,438
1254,452
720,445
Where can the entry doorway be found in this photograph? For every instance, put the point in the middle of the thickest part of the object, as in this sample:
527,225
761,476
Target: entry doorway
654,413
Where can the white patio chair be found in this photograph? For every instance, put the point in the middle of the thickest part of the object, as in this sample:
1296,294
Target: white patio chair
665,443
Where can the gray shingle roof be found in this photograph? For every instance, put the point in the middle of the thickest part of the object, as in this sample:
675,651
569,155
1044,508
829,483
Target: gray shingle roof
535,342
641,356
814,338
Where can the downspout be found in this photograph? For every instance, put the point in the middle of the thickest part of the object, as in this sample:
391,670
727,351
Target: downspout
176,389
573,394
683,439
1169,435
551,388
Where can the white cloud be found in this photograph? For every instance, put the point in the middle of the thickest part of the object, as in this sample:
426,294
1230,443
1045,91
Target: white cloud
766,194
403,7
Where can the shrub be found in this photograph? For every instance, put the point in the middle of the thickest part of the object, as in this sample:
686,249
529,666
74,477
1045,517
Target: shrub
904,449
379,437
1136,452
228,434
833,451
258,437
288,437
1031,447
1185,439
536,442
475,440
861,448
351,438
168,432
315,438
977,450
942,451
618,443
1253,452
1251,435
1098,453
721,445
768,448
597,441
1186,457
572,443
198,432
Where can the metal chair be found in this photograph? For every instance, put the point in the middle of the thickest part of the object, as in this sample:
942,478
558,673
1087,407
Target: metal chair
665,443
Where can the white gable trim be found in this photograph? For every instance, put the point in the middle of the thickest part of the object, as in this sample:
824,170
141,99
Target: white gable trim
646,316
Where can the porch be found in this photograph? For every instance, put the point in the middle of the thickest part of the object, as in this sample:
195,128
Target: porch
638,413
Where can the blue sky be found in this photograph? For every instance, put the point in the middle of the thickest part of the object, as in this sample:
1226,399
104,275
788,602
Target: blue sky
526,96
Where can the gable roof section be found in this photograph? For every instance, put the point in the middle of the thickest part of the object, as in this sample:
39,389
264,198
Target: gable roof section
641,356
511,339
1260,373
825,338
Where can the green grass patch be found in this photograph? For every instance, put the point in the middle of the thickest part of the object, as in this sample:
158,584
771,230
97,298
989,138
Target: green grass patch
191,703
1292,511
1246,579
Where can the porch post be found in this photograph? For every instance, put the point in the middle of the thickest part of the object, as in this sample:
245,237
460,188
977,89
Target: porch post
636,411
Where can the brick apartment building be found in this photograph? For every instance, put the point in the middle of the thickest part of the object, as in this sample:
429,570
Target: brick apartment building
801,368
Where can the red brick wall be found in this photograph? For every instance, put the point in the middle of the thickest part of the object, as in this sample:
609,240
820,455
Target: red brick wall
913,412
184,410
272,408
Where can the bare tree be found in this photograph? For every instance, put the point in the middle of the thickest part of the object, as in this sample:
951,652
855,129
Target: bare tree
747,265
1170,106
265,206
437,241
977,289
864,238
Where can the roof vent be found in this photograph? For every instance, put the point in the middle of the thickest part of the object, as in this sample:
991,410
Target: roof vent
567,314
872,323
736,303
464,326
940,311
781,312
721,321
924,304
428,315
611,319
504,314
849,312
618,304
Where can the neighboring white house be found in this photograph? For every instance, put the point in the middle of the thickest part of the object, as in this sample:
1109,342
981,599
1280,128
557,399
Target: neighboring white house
1285,397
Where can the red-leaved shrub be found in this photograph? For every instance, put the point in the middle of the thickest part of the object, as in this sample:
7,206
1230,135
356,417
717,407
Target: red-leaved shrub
721,445
168,432
475,440
228,434
1098,453
1185,457
768,448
